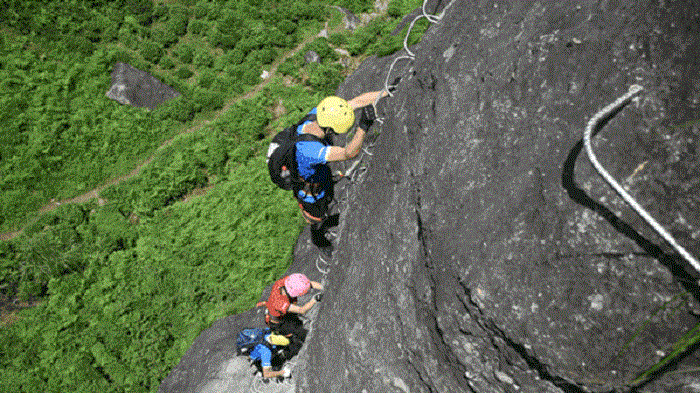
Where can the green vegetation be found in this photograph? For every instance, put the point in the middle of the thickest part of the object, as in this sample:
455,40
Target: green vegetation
123,288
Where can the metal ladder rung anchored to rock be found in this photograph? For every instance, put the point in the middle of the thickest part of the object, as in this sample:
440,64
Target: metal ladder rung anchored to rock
592,125
410,55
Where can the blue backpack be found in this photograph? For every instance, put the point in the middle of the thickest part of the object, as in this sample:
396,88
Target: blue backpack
249,338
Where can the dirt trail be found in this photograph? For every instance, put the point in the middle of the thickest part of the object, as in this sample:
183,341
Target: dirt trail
94,193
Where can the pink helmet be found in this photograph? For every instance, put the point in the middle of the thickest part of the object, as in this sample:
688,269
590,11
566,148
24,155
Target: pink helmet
296,284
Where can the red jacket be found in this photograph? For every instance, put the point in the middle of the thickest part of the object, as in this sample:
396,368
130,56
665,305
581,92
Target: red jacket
278,303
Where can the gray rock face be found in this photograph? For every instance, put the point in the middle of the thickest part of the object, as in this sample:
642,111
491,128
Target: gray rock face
479,251
311,57
131,86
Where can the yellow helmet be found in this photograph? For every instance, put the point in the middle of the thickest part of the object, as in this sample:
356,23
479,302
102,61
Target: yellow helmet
334,112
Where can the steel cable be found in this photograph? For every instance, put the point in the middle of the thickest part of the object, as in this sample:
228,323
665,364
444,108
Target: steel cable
592,124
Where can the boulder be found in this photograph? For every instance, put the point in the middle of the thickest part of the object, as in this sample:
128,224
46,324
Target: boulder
311,57
477,249
350,19
131,86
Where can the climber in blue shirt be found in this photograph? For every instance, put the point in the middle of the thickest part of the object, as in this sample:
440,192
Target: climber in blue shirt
333,115
263,353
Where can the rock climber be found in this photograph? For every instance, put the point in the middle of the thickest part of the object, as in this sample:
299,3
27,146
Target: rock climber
333,115
282,311
263,353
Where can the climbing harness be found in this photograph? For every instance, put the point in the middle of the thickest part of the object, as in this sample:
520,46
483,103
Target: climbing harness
592,124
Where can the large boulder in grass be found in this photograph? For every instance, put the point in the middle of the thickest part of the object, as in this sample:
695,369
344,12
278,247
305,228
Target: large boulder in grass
478,250
131,86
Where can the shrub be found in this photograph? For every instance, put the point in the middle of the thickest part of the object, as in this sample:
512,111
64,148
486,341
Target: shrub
309,11
178,20
226,84
286,26
179,109
265,55
126,36
203,58
200,10
151,51
274,37
248,44
395,8
225,41
81,45
231,23
119,56
93,29
196,27
320,46
167,63
246,73
324,77
355,6
364,36
206,100
111,32
185,53
220,63
235,56
141,9
338,39
288,68
160,11
183,72
206,78
164,36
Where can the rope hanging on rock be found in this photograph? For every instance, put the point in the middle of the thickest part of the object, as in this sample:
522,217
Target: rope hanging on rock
410,55
592,124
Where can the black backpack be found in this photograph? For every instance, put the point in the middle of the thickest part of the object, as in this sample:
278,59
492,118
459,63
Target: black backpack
282,156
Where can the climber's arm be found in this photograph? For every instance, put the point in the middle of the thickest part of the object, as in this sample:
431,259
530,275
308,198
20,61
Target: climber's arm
303,309
366,99
316,285
337,153
269,373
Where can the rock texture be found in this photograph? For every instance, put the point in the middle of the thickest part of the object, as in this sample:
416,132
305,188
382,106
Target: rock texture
131,86
477,249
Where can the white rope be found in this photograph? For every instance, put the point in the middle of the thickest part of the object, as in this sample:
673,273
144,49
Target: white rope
324,272
592,123
410,55
348,173
432,18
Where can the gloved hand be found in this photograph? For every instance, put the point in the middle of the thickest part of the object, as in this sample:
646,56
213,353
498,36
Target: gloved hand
287,372
318,296
393,84
367,117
